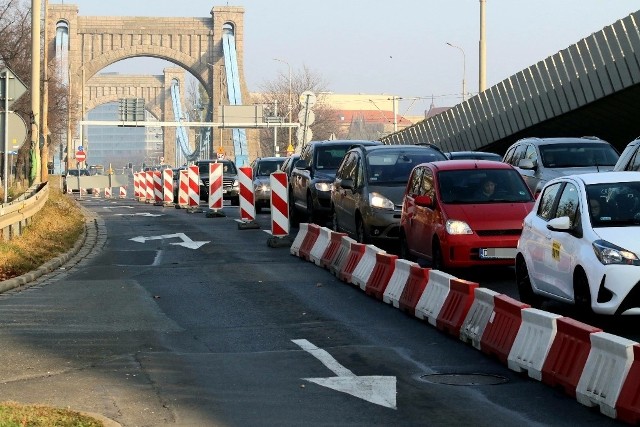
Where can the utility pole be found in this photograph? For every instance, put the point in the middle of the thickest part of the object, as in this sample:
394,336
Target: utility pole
35,91
44,176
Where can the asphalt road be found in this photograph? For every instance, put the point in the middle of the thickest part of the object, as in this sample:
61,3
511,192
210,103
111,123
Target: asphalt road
216,328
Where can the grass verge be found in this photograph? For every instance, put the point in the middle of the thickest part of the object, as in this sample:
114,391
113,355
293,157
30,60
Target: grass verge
13,414
53,231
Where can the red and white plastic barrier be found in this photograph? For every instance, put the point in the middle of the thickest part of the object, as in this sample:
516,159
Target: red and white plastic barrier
122,192
297,242
628,405
150,187
478,316
503,326
381,274
247,196
604,373
365,266
341,255
331,251
356,251
456,306
568,354
320,246
157,187
216,201
96,192
434,296
398,280
194,187
183,188
136,185
167,187
279,204
413,289
107,192
313,231
533,342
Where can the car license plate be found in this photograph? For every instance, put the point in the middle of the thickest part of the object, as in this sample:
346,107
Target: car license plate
226,203
497,253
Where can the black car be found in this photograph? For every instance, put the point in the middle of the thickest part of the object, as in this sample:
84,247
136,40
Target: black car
230,185
366,199
312,178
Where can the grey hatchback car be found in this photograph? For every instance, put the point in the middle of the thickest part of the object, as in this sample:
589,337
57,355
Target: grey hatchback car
542,159
366,199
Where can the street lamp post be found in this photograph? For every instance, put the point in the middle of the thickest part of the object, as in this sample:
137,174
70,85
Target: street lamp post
464,71
290,103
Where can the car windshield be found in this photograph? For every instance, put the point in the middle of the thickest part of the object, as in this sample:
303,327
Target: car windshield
482,186
74,172
267,167
395,166
578,155
330,157
614,204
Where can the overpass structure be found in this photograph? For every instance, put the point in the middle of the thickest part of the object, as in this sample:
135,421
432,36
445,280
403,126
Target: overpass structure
589,88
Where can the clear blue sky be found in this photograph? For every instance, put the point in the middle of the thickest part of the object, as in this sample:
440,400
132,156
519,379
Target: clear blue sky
392,47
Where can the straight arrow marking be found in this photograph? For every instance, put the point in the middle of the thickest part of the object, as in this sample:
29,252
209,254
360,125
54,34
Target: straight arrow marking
380,390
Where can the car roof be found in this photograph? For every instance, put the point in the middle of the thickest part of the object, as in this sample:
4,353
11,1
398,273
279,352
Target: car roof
465,164
271,159
346,142
472,153
606,177
564,140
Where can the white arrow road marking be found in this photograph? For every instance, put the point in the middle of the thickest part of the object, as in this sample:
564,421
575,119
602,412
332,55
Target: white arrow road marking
116,207
375,389
186,241
139,214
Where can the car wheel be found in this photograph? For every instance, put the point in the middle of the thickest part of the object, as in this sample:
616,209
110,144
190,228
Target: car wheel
311,217
361,234
404,249
437,262
581,292
294,220
334,220
523,281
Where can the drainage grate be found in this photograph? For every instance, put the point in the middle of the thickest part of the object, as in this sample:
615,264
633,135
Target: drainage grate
464,379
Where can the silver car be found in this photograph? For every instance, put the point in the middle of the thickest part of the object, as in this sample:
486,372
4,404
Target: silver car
540,160
263,167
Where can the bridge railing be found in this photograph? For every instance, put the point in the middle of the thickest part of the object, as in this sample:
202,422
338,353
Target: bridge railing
17,214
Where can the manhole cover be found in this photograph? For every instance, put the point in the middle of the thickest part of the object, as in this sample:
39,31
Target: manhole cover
464,379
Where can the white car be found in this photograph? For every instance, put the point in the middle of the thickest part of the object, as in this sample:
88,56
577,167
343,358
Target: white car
581,244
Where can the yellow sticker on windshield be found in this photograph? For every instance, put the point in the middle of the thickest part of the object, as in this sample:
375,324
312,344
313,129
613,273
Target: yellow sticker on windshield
555,250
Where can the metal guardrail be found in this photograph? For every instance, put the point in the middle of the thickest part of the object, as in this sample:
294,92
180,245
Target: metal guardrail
17,214
597,66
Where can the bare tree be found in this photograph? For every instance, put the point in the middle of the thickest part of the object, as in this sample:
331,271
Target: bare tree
326,118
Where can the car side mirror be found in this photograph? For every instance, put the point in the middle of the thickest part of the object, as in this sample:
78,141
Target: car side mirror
562,223
301,164
526,164
346,183
424,201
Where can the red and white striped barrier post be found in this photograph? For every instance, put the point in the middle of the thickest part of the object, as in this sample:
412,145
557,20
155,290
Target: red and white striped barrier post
194,189
247,199
279,210
167,187
107,192
183,189
96,192
123,192
157,188
139,190
216,201
149,182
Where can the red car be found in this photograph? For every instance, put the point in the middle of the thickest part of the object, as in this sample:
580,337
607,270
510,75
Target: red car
463,213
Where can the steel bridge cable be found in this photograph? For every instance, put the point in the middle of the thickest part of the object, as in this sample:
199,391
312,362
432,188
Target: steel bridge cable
234,94
182,138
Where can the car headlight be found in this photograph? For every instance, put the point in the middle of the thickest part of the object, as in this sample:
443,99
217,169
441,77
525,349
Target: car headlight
324,186
608,253
377,200
236,183
454,226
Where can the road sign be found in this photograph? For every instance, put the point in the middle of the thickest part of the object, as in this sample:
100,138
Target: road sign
17,130
12,86
303,137
80,156
308,99
306,117
80,148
